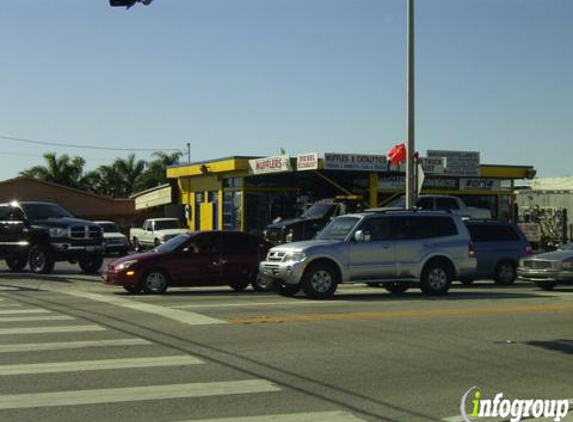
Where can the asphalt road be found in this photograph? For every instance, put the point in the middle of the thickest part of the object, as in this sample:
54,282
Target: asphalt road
72,349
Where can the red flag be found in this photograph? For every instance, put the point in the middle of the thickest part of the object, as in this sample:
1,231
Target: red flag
397,154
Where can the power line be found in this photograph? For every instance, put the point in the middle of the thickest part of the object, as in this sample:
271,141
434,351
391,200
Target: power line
59,144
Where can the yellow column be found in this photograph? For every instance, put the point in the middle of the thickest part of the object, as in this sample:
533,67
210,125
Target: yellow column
373,190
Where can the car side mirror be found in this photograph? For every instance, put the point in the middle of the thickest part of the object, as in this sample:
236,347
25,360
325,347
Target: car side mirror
359,236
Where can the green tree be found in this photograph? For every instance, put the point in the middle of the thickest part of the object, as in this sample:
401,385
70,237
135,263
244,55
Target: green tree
155,174
62,170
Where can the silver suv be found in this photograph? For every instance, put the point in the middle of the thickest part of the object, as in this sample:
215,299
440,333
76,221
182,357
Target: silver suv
397,249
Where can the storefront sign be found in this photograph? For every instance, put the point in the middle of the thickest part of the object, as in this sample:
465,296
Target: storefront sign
276,164
362,162
308,161
430,182
532,231
480,184
459,163
433,165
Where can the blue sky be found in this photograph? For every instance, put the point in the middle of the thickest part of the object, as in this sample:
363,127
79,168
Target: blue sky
247,77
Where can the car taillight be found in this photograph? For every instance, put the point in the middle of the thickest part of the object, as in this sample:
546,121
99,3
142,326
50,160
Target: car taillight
471,250
528,250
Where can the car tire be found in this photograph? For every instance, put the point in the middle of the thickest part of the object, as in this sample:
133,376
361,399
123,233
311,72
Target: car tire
91,264
505,273
261,283
154,282
546,285
239,286
396,288
16,262
287,290
132,289
436,278
467,281
320,281
40,260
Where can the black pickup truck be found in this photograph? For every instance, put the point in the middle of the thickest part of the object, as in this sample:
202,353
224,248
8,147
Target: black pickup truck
312,221
41,233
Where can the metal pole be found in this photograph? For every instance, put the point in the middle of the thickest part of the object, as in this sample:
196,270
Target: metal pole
410,173
189,184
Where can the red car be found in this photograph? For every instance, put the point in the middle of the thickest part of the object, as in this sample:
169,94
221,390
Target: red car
204,258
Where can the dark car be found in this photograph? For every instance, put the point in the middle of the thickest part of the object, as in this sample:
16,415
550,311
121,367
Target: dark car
312,220
42,233
498,246
548,269
204,258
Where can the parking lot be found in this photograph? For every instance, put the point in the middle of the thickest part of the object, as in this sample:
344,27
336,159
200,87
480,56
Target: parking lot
71,345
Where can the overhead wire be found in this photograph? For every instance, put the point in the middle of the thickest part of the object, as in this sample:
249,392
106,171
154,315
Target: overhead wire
66,145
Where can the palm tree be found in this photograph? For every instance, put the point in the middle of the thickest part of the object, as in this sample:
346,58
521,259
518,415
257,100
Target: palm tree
155,174
129,171
61,170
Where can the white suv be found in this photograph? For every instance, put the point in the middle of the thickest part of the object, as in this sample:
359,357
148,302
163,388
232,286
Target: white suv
397,249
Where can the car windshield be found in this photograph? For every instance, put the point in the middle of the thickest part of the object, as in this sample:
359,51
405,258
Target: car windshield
43,211
318,211
166,224
338,228
109,227
173,243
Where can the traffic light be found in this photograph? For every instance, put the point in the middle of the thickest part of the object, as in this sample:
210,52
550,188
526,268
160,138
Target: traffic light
127,3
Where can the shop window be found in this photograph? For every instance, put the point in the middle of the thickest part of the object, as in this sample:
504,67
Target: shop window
231,210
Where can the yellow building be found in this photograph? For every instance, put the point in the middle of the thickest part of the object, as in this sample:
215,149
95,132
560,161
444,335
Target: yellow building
247,193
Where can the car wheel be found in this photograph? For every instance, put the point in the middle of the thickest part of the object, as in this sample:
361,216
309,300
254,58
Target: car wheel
396,288
261,283
467,281
239,286
287,290
546,285
16,262
319,281
91,264
154,282
41,260
132,289
436,278
504,273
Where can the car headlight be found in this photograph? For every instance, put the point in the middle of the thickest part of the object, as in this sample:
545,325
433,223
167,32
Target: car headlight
567,265
58,232
294,256
126,264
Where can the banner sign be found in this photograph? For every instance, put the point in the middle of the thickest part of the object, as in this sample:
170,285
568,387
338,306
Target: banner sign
433,165
308,161
276,164
333,161
459,163
532,231
480,184
430,182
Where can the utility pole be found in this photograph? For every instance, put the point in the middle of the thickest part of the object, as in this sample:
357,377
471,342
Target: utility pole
411,148
188,207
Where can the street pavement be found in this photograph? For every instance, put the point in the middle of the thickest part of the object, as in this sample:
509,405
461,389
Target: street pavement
72,349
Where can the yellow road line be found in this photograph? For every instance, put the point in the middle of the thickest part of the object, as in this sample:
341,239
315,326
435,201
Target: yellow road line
423,313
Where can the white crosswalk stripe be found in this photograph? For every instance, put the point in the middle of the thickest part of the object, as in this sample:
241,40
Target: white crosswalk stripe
152,392
334,416
96,365
64,345
47,330
10,305
23,311
36,318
